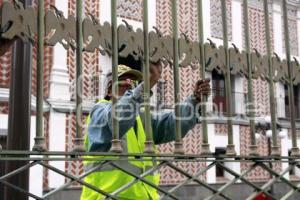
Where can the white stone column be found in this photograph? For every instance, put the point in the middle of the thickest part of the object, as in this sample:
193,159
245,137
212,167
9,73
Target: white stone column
286,144
237,16
278,48
277,28
298,30
57,142
35,172
206,19
235,166
59,92
59,78
237,39
211,173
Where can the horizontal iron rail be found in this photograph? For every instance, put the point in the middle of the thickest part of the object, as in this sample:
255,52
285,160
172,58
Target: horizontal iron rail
24,154
92,187
52,192
230,171
145,181
197,180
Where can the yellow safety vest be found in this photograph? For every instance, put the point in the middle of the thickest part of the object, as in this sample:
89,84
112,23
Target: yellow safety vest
110,179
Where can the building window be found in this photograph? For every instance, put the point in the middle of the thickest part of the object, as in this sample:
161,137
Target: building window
218,92
219,170
287,103
292,171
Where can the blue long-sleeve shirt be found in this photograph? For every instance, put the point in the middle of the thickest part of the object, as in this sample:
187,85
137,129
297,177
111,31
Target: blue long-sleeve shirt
128,108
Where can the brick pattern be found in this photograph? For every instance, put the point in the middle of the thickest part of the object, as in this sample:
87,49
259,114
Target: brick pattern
216,19
257,29
293,36
5,64
130,9
258,173
257,41
221,129
48,61
72,167
191,143
46,134
90,60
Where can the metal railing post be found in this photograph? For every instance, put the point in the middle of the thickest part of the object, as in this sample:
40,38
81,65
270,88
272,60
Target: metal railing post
178,142
205,145
253,146
79,38
295,149
230,150
275,148
146,75
39,144
116,143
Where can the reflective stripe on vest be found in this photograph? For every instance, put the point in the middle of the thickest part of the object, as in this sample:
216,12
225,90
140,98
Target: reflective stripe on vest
110,179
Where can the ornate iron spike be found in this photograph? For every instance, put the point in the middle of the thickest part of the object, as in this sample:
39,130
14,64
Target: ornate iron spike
129,27
157,31
57,12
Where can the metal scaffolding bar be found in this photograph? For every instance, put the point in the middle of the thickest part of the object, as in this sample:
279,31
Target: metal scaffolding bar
146,75
178,142
253,147
205,145
39,144
79,48
230,146
275,148
116,143
295,149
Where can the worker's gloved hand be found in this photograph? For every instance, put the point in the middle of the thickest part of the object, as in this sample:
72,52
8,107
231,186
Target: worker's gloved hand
155,73
202,88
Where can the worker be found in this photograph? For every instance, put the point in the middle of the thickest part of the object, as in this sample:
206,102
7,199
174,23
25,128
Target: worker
107,177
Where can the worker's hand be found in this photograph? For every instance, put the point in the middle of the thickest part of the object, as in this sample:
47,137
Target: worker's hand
155,73
202,88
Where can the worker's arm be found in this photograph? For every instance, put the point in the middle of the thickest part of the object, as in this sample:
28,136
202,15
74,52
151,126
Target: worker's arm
164,129
100,127
163,124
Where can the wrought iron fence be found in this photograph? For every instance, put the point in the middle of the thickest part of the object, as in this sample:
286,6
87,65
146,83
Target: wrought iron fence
87,35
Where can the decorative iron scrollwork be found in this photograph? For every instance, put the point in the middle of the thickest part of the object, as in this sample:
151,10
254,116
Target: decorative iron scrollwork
18,22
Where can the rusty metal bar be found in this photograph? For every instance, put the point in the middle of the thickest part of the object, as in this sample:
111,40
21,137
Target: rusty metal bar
116,143
295,149
230,150
205,145
79,48
178,142
253,146
39,144
275,148
149,148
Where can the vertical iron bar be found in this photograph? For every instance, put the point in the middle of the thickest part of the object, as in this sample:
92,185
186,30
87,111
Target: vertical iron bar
205,145
116,143
253,147
39,144
146,74
295,149
275,148
230,147
178,142
79,39
19,117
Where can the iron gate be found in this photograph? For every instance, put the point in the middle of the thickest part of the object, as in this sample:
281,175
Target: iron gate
89,35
